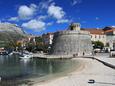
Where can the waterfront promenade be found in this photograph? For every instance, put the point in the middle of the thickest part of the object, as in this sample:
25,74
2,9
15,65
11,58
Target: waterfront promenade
91,69
43,56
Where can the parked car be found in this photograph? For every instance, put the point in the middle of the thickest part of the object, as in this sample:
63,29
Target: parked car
97,50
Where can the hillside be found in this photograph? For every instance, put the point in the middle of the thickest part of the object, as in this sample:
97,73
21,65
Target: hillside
10,33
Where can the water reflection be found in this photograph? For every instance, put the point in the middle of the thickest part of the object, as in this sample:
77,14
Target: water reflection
24,61
1,59
14,67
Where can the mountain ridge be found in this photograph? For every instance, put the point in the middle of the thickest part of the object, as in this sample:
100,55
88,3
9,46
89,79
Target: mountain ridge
10,33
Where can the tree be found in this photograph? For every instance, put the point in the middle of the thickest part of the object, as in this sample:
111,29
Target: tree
38,39
40,45
30,47
97,44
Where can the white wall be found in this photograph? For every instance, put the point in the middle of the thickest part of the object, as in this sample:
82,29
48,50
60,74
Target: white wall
97,37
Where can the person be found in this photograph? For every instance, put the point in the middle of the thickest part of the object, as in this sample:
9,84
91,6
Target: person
74,55
93,53
83,53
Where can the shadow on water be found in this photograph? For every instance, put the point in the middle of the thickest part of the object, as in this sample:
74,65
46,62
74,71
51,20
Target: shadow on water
14,70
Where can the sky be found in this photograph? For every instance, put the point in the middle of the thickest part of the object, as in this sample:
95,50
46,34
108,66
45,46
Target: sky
42,16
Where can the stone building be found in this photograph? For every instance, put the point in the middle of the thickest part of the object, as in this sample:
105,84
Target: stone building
97,35
48,38
110,37
105,35
72,42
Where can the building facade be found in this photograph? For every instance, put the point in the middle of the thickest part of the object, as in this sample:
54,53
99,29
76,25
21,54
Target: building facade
97,35
105,35
72,42
48,38
110,37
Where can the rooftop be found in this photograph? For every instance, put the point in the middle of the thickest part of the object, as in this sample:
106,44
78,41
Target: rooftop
95,31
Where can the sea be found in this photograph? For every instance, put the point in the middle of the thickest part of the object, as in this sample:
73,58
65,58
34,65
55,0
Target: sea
15,71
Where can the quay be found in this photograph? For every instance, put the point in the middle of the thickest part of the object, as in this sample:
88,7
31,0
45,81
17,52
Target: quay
43,56
92,69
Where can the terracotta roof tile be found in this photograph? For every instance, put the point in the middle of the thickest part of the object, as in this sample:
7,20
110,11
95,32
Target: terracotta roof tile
110,30
95,31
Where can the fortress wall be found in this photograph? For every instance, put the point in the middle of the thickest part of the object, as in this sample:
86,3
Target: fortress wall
71,42
70,32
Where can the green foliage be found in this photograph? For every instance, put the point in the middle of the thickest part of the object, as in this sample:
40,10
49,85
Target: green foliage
8,39
40,44
97,44
38,39
30,47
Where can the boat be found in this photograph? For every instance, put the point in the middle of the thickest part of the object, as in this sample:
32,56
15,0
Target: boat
15,53
26,56
10,54
3,51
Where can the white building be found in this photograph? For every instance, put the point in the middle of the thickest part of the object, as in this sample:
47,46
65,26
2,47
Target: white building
48,38
106,36
97,35
110,37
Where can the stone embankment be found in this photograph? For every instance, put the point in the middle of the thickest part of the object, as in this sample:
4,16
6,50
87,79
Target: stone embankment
93,70
101,59
43,56
105,62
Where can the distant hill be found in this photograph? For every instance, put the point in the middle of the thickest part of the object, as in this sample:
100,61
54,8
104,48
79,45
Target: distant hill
10,33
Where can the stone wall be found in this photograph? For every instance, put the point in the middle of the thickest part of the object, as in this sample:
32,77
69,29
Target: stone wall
71,42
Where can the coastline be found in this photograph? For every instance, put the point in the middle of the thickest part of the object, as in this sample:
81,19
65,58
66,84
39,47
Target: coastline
49,78
59,76
92,70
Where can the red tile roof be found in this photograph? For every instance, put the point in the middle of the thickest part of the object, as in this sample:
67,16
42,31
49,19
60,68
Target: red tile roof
110,30
95,31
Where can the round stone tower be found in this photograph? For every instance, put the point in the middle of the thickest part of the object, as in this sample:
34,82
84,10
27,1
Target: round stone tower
72,42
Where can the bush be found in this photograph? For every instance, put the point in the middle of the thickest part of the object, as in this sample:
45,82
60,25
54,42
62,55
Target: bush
97,44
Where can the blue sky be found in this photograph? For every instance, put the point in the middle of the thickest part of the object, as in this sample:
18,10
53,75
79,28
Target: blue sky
42,16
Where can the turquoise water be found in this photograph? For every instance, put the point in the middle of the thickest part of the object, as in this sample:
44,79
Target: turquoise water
12,68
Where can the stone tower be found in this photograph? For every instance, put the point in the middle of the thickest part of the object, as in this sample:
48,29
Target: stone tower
74,26
72,41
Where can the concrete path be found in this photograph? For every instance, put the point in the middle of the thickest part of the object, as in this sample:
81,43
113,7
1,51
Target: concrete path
103,75
106,58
